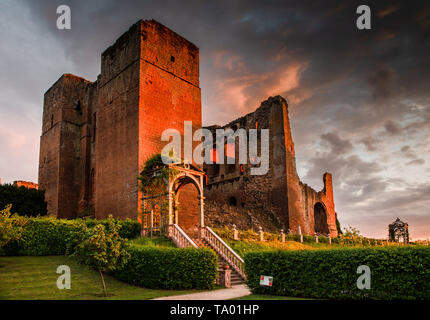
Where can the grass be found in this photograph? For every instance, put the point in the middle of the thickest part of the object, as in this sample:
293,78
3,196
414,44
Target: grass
29,278
245,246
153,242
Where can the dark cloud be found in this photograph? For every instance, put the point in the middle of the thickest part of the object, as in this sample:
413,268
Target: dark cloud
408,152
416,162
392,128
371,143
346,88
337,144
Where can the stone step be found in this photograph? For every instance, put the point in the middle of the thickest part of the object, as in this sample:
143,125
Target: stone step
236,279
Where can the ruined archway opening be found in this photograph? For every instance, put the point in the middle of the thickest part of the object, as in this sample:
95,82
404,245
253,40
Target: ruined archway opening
320,218
232,201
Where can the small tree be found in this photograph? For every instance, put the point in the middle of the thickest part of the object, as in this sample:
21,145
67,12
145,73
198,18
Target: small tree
11,226
351,232
101,248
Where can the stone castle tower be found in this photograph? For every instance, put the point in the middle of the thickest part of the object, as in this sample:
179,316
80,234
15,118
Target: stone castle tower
97,135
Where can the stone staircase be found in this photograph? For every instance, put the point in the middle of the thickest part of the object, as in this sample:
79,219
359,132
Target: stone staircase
236,278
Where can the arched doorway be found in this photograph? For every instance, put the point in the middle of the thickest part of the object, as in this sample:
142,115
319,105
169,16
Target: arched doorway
320,219
187,206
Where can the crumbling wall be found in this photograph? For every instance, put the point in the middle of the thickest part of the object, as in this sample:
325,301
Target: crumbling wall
275,200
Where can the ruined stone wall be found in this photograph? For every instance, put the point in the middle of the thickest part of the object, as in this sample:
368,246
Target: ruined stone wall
275,200
25,184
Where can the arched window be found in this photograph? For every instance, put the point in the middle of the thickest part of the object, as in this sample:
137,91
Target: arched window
232,201
320,219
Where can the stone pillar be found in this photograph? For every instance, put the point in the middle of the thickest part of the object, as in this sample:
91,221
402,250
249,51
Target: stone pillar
301,235
224,277
202,211
235,233
170,208
282,235
316,238
152,222
329,239
261,233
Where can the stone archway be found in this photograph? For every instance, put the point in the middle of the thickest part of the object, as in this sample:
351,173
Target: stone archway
320,219
187,207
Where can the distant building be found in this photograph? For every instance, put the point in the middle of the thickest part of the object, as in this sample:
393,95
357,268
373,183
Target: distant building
26,184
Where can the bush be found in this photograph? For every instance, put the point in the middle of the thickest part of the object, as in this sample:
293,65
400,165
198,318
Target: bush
49,236
396,273
25,202
169,268
100,247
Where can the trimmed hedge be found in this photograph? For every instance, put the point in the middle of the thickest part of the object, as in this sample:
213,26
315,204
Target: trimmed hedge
396,273
49,236
169,268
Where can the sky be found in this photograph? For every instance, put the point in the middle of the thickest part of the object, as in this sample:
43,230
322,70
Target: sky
359,100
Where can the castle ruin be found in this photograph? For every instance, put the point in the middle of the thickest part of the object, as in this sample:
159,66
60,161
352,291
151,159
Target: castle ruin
97,135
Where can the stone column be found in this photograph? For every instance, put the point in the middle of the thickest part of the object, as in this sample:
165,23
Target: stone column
225,277
202,211
170,208
301,235
235,233
261,233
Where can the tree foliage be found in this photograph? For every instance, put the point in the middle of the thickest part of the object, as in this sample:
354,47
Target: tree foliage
100,247
10,229
28,202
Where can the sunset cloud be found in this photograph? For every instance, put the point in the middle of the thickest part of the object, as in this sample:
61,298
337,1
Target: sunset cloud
359,101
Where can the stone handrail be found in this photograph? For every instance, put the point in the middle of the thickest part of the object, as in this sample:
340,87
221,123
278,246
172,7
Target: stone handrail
180,238
224,250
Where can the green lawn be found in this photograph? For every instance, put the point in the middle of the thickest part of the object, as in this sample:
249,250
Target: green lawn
268,297
28,278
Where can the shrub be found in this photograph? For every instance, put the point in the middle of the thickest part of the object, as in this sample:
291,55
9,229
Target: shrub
396,272
169,268
49,236
10,231
100,247
28,202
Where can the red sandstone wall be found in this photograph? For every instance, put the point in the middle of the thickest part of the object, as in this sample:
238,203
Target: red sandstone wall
142,92
116,145
59,167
